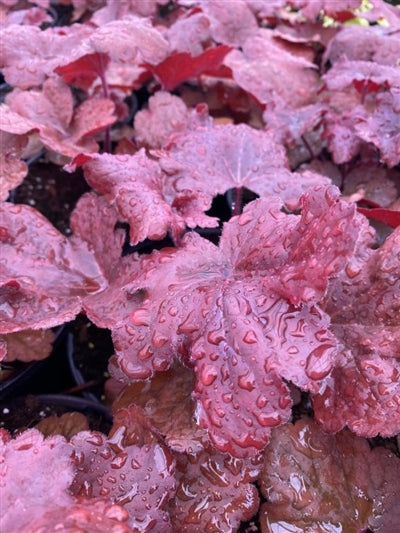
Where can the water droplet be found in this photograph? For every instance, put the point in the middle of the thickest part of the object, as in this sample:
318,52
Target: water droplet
250,337
119,461
216,336
140,317
261,401
158,339
247,381
319,363
268,420
208,374
227,397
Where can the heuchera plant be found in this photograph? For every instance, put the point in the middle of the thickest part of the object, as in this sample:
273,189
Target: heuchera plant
286,113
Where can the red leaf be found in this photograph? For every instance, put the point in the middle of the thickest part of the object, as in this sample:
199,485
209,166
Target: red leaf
142,196
229,312
44,275
233,156
387,216
138,478
36,474
182,66
84,70
271,74
364,301
214,492
318,482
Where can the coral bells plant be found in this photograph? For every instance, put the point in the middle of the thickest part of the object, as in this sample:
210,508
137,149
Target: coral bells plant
237,233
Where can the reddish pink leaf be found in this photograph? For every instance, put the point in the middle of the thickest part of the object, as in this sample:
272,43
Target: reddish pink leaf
363,43
243,314
214,492
381,127
181,66
344,72
271,74
94,515
36,474
233,156
189,33
230,26
318,482
93,221
44,275
364,389
138,478
12,169
167,114
30,55
60,127
129,39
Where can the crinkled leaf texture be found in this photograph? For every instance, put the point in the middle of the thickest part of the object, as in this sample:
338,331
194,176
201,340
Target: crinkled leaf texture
44,275
137,187
233,156
214,492
140,478
244,314
363,391
46,278
61,128
35,474
320,483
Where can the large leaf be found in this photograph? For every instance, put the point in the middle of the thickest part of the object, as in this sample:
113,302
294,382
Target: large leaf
243,315
319,483
363,391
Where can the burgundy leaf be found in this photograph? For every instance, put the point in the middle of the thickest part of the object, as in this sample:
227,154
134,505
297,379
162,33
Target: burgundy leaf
138,478
243,314
29,345
167,402
214,492
181,66
317,483
364,302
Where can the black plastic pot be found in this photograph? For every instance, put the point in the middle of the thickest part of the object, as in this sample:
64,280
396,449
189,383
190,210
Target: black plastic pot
22,375
26,411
